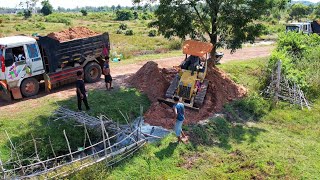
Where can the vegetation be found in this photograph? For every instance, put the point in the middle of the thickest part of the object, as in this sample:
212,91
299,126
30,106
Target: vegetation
298,11
263,143
299,54
232,22
39,122
46,8
84,12
137,44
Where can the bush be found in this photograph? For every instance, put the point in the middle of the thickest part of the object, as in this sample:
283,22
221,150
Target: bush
129,32
174,45
84,12
119,31
124,15
123,26
56,18
27,14
152,33
299,54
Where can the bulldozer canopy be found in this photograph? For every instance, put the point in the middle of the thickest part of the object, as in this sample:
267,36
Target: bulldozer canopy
196,48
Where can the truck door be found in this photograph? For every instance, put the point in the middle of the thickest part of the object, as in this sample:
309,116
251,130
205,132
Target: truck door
34,60
15,62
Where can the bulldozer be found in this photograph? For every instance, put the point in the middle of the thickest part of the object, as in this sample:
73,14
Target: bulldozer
189,83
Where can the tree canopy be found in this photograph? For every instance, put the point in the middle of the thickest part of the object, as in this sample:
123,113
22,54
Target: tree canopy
298,11
46,8
227,23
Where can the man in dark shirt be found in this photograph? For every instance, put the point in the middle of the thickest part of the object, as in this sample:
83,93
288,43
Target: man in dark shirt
81,91
106,70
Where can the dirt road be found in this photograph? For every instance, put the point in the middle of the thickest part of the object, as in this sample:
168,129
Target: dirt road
241,54
121,72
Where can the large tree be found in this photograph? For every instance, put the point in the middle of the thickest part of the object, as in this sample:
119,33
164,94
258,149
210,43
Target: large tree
226,23
46,8
297,11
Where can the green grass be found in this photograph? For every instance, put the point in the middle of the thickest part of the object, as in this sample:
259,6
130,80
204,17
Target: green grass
33,118
129,46
280,143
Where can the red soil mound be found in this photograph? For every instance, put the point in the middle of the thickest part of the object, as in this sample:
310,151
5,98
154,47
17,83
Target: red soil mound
154,82
72,33
150,80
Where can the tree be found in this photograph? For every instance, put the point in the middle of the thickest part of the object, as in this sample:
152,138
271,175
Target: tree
29,6
124,15
298,11
84,12
233,21
46,8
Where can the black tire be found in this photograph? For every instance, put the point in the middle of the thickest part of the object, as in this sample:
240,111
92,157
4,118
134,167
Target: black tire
92,72
29,87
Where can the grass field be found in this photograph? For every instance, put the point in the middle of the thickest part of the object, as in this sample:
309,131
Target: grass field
283,143
129,46
25,123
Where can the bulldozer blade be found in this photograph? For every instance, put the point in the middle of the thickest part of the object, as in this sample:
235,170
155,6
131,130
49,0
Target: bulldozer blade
171,103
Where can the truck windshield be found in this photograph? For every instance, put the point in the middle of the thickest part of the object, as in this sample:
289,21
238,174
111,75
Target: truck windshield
292,28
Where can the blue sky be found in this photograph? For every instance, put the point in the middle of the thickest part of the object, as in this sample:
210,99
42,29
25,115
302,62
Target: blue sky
80,3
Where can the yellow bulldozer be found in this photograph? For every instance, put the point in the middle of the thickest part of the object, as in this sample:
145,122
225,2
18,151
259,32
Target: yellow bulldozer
190,84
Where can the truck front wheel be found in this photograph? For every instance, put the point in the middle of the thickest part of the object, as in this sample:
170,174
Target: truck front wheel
92,72
29,87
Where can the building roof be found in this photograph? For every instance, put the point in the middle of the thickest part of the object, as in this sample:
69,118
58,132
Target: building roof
16,41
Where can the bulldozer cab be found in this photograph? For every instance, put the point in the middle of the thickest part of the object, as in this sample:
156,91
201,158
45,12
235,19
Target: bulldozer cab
190,84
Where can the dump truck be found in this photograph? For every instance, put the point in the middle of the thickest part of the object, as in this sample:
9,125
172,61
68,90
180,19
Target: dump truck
27,61
304,27
190,84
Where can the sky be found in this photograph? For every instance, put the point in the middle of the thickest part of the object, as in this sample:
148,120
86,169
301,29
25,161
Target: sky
72,3
80,3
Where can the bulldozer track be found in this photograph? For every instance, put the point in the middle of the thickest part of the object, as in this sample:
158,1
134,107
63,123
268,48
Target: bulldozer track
199,98
173,87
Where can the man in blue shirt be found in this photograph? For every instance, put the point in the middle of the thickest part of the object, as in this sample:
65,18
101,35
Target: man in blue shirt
179,116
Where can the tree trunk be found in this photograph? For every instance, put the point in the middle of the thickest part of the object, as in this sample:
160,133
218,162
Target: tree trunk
213,40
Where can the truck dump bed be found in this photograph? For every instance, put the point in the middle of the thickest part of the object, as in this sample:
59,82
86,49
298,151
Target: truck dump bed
55,52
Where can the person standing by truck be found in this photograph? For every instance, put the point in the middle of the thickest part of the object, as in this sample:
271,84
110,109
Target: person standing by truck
106,70
81,92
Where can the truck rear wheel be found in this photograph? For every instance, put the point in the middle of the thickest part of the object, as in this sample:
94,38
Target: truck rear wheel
92,72
29,87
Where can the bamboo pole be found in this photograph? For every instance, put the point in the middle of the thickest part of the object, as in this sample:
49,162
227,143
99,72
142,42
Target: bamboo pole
14,148
65,135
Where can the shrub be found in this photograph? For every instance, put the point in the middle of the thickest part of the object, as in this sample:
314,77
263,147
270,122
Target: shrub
124,15
152,33
119,31
299,54
129,32
84,12
123,26
27,14
174,45
56,18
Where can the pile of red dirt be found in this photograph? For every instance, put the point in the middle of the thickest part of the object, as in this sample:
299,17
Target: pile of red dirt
154,82
72,33
150,80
